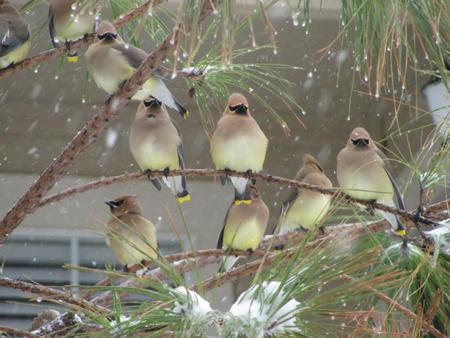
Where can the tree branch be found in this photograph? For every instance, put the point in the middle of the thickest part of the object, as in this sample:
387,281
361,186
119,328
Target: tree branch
16,332
55,295
216,173
85,137
74,45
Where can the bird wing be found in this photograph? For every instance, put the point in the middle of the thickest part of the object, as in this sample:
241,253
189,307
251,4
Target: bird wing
220,240
180,152
51,28
134,55
12,33
285,206
388,170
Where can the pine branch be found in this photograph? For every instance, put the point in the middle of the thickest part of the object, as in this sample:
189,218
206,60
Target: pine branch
74,45
58,296
413,216
16,332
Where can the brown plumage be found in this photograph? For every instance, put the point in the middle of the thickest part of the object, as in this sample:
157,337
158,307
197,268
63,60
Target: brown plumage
131,237
155,143
362,174
68,21
244,226
111,62
238,143
306,208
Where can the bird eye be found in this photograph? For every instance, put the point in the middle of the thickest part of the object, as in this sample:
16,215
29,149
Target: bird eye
238,109
154,103
361,142
108,36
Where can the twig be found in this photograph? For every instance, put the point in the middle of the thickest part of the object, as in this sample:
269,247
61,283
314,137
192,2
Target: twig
402,309
84,137
16,332
215,173
58,296
74,45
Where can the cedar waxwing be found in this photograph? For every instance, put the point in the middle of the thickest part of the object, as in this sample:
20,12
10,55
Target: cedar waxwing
131,237
156,145
14,35
111,61
238,144
244,226
362,174
306,208
69,20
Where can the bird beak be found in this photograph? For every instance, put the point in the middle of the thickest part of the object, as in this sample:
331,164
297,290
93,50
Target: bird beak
111,204
153,103
361,142
240,109
108,36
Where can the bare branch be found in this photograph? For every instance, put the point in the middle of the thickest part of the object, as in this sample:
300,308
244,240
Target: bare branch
74,45
414,217
55,295
16,332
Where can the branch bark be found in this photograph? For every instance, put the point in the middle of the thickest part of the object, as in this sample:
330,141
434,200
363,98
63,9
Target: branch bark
216,173
61,297
74,45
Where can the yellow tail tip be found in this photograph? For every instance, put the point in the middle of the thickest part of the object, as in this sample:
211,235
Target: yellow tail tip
401,232
239,202
72,58
183,199
186,115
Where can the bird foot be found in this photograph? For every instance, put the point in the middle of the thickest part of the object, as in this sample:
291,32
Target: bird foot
166,171
371,208
249,174
149,174
250,251
126,268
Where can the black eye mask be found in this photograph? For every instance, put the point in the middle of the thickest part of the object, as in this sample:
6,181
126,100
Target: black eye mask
108,36
361,142
114,204
239,109
153,103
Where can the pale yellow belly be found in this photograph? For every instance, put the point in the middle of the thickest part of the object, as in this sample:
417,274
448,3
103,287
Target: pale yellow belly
129,254
306,212
150,157
239,153
76,28
15,55
366,184
245,236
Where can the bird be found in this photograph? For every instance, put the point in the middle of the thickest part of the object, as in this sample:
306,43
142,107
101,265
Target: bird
131,236
238,143
244,227
362,173
155,143
14,35
69,20
305,209
111,61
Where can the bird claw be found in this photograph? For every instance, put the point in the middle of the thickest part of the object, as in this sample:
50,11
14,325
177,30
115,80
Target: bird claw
149,174
249,174
371,208
166,171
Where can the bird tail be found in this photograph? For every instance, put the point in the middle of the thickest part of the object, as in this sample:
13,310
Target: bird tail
72,56
178,185
394,220
228,263
242,192
183,111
